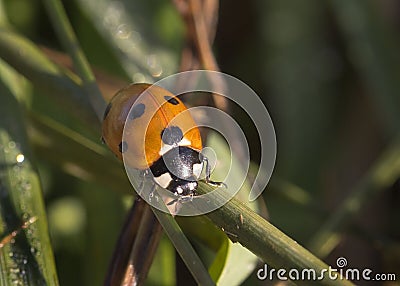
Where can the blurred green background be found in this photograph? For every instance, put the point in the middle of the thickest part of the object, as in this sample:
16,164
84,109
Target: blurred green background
329,74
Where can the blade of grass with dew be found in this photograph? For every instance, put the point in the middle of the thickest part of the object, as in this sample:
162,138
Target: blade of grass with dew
117,22
58,84
26,256
67,37
76,154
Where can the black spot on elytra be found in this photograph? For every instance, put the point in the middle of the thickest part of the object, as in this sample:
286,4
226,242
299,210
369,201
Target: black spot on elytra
123,146
171,100
137,111
107,110
171,135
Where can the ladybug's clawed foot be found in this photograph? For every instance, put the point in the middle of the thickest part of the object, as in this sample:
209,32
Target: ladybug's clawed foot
217,184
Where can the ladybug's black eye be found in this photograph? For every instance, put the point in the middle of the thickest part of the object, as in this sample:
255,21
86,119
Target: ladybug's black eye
171,135
171,100
123,146
137,111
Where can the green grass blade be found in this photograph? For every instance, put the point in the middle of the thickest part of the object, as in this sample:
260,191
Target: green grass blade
76,154
26,256
259,236
184,248
67,36
119,24
233,264
58,84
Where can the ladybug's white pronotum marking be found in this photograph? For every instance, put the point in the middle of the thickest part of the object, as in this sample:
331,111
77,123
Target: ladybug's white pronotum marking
165,147
164,180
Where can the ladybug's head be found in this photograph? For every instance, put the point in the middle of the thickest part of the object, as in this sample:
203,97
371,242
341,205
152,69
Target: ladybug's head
182,187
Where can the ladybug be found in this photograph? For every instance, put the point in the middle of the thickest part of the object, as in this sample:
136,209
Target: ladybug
160,136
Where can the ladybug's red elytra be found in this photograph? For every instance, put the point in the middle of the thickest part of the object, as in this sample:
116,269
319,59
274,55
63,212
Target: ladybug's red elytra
169,148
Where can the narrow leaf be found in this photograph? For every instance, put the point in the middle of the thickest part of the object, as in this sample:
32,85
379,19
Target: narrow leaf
26,256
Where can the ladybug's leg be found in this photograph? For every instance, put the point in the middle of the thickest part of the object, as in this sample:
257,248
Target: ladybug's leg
145,177
208,174
180,200
142,178
153,193
208,169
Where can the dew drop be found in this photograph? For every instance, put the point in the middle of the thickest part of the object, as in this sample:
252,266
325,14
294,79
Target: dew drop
123,31
12,145
20,158
154,65
15,270
26,185
113,13
156,71
33,250
152,60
